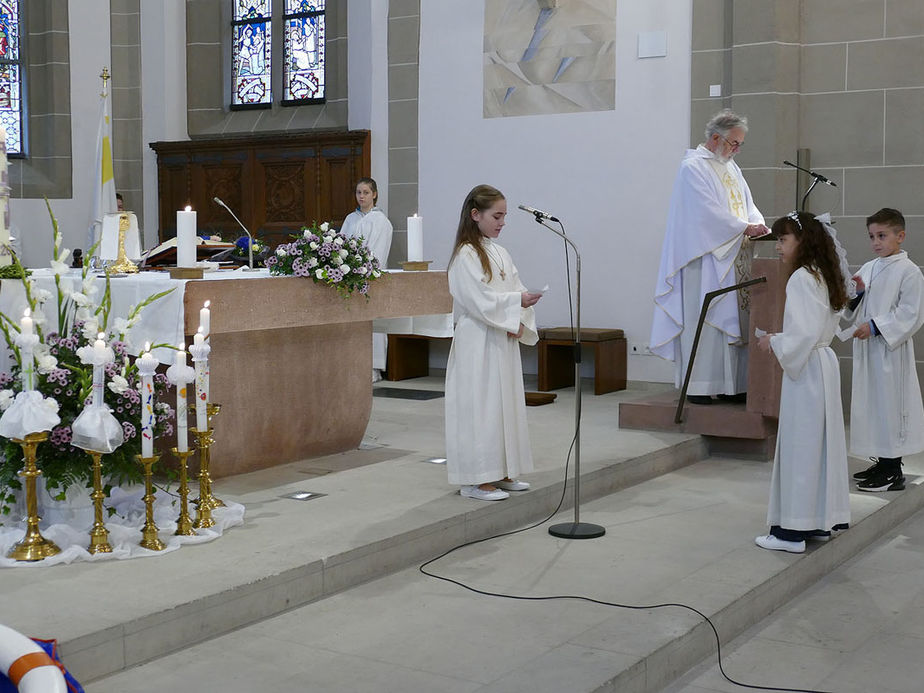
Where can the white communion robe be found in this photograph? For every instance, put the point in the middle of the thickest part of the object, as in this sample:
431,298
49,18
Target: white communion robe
886,413
486,433
376,230
809,486
710,208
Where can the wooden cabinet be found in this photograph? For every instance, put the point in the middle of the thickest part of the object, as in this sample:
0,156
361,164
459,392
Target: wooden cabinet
275,183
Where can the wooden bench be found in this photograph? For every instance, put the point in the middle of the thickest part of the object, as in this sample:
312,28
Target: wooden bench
556,358
408,356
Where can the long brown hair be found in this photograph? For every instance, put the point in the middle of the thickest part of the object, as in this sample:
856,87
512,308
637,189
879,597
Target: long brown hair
481,198
816,253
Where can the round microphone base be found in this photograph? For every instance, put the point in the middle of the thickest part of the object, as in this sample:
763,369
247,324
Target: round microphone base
577,530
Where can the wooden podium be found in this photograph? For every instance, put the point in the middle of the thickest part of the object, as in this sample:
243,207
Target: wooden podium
765,377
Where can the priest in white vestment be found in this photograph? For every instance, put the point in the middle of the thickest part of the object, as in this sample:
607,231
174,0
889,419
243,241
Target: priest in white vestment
373,225
711,219
886,412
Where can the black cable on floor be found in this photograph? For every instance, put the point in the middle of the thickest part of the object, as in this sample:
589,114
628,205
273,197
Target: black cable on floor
649,607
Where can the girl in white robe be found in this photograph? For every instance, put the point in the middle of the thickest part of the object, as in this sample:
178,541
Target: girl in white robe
886,413
487,441
372,224
809,491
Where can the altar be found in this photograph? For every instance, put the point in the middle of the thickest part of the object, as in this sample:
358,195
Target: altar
291,361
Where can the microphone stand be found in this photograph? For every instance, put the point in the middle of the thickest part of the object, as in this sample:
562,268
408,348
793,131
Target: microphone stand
249,237
576,529
816,179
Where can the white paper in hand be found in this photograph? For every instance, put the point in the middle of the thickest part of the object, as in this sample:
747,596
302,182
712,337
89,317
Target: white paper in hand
542,292
846,333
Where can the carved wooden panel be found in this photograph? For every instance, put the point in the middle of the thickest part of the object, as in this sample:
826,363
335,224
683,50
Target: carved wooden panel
275,184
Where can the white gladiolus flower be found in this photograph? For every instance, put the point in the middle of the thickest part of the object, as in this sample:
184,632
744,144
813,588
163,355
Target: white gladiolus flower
41,295
324,227
118,384
80,299
6,399
60,265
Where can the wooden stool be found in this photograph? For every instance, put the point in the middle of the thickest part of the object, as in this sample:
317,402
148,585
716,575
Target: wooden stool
408,356
556,358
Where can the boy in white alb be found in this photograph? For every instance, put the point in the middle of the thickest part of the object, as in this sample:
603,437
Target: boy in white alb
886,412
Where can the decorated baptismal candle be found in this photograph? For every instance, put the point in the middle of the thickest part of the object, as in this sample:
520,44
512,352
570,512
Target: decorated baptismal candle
147,364
414,238
99,373
182,444
200,353
25,351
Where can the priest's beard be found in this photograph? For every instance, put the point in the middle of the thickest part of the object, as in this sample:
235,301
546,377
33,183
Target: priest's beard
722,159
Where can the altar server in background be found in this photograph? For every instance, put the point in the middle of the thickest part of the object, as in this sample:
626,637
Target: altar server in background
487,441
373,225
808,488
886,413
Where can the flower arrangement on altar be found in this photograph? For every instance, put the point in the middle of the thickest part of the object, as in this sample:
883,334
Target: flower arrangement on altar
65,329
328,257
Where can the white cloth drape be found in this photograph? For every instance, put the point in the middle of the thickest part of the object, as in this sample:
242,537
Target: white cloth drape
809,486
886,413
486,433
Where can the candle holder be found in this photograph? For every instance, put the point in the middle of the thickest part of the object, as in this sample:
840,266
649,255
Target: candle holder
99,535
203,503
33,546
149,538
205,460
184,524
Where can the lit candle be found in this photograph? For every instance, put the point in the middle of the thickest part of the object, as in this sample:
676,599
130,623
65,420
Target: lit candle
25,323
414,238
182,444
147,364
186,238
205,319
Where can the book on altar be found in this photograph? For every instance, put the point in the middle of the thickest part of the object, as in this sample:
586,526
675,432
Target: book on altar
165,253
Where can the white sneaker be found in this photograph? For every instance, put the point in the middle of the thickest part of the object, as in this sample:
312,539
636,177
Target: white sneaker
772,543
515,485
481,494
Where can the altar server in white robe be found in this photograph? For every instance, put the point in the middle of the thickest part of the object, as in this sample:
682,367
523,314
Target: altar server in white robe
710,222
809,490
487,441
886,413
373,225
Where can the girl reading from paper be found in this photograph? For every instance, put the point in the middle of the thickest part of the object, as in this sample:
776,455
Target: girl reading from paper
808,486
487,441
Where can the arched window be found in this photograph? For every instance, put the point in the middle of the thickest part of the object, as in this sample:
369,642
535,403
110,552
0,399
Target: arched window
303,52
251,64
11,75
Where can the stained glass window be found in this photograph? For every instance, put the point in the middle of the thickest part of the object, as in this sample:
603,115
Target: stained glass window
11,76
251,66
303,52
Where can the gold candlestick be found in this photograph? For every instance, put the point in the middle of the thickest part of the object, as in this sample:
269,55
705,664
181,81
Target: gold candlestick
149,538
33,546
99,535
184,525
204,502
205,460
122,263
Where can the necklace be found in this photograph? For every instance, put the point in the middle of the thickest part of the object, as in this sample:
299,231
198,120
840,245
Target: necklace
499,260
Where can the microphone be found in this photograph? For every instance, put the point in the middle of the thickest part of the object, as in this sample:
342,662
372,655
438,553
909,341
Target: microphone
538,212
812,173
250,238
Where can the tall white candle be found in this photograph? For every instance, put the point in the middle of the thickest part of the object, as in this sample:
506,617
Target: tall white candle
182,443
147,364
414,238
99,373
205,319
200,352
25,352
186,238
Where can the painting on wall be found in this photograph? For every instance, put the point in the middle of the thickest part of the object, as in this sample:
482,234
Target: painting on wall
549,56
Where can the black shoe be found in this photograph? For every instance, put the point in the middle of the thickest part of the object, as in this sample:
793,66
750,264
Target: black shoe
883,482
869,472
740,398
699,399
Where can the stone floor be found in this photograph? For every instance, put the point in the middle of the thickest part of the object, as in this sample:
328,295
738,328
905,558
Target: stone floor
326,595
